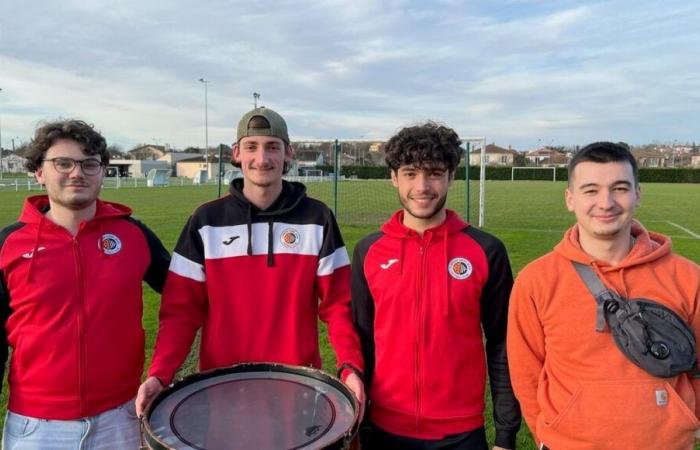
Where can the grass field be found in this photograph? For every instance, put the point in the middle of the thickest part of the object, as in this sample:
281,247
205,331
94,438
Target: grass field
528,216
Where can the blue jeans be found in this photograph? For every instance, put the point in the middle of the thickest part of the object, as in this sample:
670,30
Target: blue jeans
116,428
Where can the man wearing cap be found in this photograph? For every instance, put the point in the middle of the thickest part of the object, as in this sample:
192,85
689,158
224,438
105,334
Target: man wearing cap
255,269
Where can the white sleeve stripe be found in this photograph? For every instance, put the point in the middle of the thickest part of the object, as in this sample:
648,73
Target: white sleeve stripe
187,268
327,265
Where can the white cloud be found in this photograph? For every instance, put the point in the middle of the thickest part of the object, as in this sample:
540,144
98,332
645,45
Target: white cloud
517,71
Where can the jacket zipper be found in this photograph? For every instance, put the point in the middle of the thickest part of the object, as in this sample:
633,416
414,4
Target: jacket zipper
81,330
419,335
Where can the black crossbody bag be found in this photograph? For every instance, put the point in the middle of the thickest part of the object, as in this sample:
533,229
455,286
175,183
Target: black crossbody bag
648,333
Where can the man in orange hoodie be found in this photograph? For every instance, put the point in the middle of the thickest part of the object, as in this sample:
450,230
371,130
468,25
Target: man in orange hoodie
576,389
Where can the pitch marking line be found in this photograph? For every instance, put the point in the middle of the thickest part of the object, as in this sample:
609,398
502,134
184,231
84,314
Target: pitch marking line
696,236
561,232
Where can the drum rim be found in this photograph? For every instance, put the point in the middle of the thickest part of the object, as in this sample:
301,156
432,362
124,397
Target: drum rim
310,372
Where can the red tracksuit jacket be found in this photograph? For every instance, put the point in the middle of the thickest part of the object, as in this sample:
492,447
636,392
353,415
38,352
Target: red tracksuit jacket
419,305
256,282
71,309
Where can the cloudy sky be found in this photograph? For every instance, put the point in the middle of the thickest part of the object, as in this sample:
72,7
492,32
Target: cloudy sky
521,73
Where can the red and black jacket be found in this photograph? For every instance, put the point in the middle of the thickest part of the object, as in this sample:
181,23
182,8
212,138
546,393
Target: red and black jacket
72,307
256,282
419,304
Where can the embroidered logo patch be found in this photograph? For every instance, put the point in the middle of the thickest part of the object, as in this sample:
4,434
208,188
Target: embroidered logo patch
389,263
230,240
459,268
29,255
110,244
290,238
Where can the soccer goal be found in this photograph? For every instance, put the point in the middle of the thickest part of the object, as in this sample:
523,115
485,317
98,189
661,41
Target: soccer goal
158,177
472,144
200,177
231,174
533,173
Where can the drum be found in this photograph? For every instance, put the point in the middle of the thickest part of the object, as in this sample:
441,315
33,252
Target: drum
253,406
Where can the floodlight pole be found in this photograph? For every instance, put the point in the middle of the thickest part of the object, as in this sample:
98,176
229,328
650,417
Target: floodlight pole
206,126
482,176
1,169
256,96
467,162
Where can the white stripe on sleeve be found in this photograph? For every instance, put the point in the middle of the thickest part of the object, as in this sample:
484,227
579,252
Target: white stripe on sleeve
187,268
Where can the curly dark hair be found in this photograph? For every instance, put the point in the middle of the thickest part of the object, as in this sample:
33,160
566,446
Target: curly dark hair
76,130
425,145
604,152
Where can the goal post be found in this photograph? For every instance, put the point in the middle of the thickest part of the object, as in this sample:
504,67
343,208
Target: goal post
535,172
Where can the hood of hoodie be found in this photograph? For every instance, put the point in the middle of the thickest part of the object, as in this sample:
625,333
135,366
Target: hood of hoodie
291,196
395,227
440,235
34,211
36,206
648,246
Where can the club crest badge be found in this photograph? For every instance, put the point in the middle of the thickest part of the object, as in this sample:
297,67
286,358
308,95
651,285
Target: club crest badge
459,268
290,238
109,244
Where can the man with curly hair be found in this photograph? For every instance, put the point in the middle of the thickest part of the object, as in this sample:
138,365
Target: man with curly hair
71,272
422,289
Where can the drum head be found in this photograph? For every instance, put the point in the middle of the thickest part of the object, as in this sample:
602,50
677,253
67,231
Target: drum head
253,406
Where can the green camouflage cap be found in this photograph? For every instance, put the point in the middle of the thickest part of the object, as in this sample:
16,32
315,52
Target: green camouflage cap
278,127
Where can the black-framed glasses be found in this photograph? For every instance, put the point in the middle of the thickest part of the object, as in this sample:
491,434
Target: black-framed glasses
89,166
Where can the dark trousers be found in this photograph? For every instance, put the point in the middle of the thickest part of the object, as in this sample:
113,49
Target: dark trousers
374,438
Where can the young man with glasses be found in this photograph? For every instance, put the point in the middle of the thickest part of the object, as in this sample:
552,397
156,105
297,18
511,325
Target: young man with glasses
71,272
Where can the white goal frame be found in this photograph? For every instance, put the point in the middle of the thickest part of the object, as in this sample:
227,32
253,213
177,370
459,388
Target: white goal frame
552,168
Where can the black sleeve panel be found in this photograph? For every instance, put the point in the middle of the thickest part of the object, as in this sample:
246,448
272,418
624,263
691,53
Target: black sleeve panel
190,244
494,319
332,239
363,305
5,310
160,258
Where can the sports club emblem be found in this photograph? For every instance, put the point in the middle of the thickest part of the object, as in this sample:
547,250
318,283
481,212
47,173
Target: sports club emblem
110,244
459,268
290,238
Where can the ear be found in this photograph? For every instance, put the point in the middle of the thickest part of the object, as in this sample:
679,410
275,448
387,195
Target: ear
638,192
569,199
236,153
451,178
289,153
39,174
394,178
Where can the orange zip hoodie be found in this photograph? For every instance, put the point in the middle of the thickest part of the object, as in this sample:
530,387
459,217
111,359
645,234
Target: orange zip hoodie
576,389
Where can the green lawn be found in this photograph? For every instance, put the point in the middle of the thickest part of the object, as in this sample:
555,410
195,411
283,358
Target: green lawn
529,216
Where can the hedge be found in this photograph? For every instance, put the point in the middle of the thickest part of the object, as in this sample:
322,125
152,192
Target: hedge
646,175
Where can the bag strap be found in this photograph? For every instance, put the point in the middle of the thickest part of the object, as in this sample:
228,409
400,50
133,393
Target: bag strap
601,294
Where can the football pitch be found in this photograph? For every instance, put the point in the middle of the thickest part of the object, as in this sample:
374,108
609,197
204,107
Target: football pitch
528,216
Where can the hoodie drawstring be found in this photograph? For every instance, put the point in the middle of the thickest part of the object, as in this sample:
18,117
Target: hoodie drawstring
35,250
270,253
249,226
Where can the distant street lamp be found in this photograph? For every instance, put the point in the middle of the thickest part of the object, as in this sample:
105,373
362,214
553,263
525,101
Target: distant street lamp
1,169
256,96
206,126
